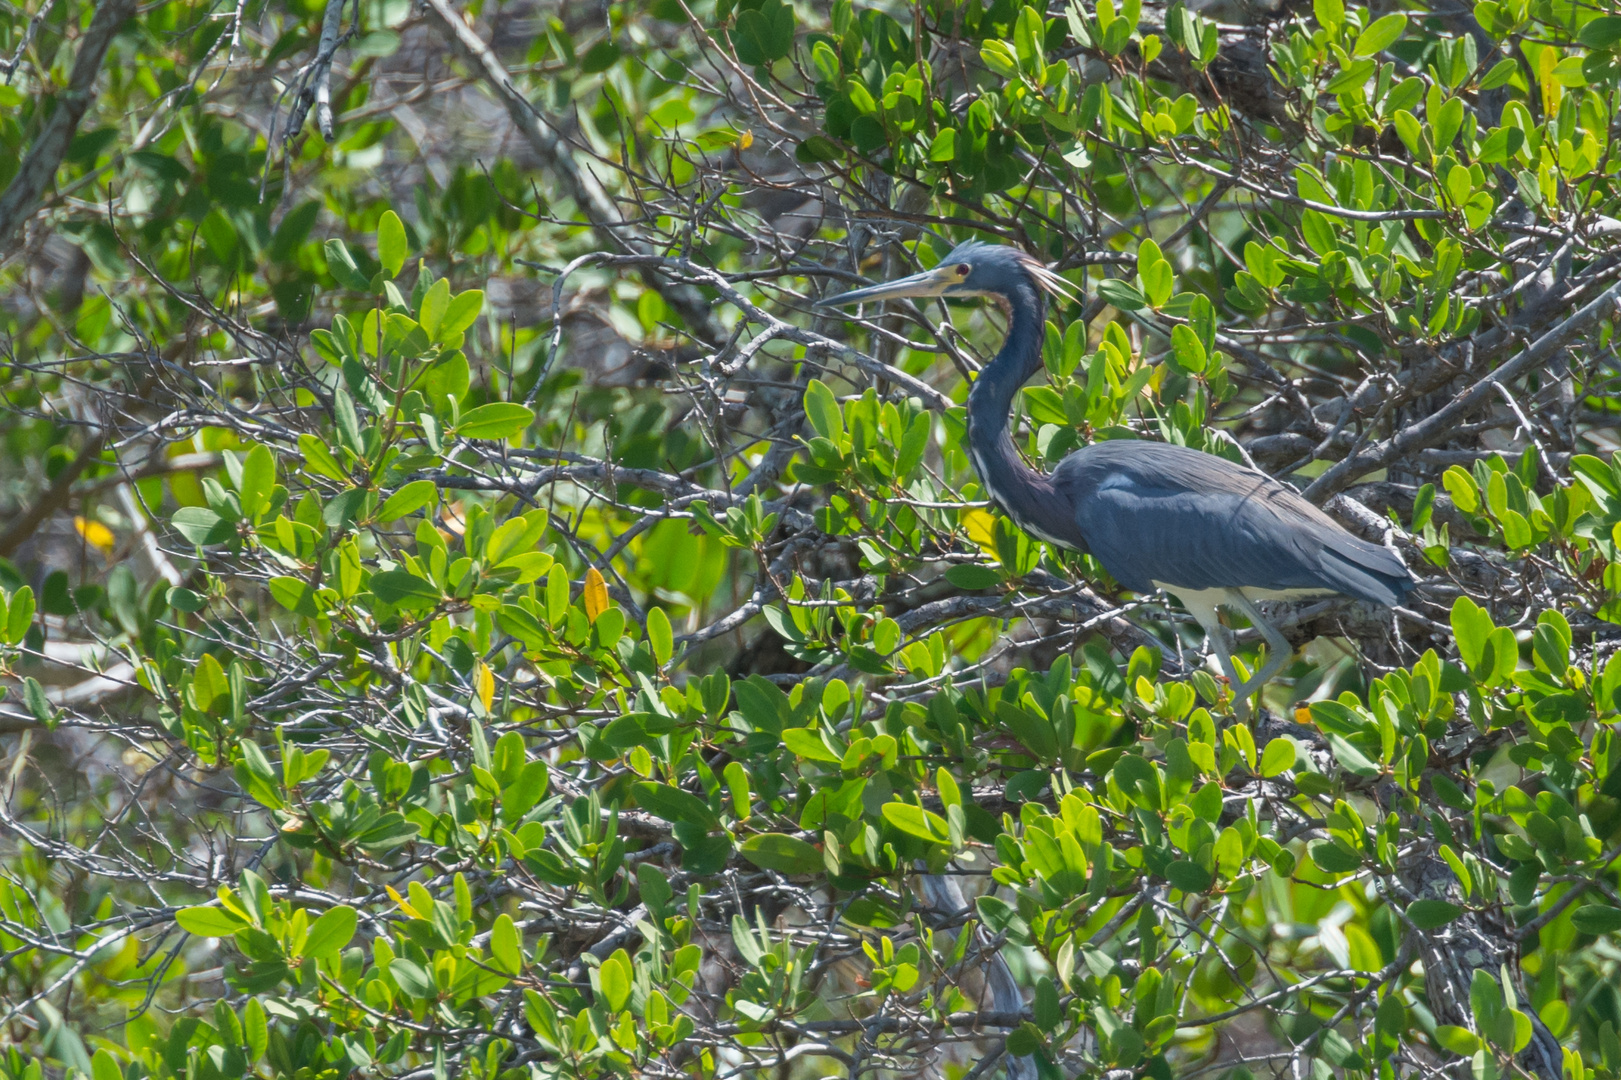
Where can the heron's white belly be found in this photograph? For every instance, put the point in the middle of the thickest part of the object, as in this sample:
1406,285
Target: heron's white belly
1286,594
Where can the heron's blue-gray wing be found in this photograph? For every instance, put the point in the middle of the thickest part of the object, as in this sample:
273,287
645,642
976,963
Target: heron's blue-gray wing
1152,512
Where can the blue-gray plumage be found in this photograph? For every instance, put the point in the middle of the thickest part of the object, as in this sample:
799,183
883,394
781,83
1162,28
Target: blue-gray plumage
1213,533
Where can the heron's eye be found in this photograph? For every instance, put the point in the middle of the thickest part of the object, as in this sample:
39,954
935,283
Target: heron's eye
962,269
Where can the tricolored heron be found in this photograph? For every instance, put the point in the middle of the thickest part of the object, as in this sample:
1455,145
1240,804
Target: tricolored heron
1212,533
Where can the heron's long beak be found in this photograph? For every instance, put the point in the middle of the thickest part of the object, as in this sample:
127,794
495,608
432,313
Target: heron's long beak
929,283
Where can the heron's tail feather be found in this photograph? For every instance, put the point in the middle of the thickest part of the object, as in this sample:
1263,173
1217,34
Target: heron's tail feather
1366,571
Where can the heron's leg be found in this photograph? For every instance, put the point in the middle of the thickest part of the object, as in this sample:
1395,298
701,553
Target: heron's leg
1202,606
1281,651
1221,640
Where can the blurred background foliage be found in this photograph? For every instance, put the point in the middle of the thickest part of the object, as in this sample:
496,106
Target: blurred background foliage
465,615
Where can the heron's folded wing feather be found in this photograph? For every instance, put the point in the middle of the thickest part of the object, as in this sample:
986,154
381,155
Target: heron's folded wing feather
1367,572
1156,512
1198,540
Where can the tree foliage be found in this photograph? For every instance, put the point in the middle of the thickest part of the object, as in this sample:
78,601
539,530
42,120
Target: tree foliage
466,614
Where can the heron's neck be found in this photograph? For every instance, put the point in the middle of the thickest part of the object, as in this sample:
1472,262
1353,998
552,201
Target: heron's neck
1025,494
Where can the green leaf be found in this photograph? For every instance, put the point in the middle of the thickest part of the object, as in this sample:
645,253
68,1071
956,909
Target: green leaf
331,932
343,508
1596,919
1501,144
1278,757
1028,35
209,685
460,313
971,576
220,236
258,478
391,249
431,311
614,978
1379,36
817,149
737,785
408,500
402,586
516,536
1458,1040
1351,759
1594,473
822,410
294,594
209,921
1188,349
654,887
1499,75
1471,627
764,34
1423,506
659,638
917,822
1156,274
21,615
341,265
497,420
348,421
1601,32
600,57
1411,132
1024,1040
506,947
674,805
808,744
1031,730
1333,857
255,1029
1190,877
38,704
202,526
412,979
1503,650
1121,294
1000,57
1391,1016
1429,914
782,853
319,460
105,1067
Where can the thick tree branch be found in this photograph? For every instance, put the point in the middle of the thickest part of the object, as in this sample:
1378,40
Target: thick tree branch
1437,426
22,195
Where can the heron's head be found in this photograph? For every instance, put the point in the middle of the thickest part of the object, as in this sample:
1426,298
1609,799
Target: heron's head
972,269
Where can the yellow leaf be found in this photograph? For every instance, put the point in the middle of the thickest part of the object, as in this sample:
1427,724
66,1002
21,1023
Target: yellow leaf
405,905
484,683
596,594
96,534
981,528
1552,91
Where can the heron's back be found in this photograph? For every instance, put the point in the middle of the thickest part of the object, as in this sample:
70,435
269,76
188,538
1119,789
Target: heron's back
1153,512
